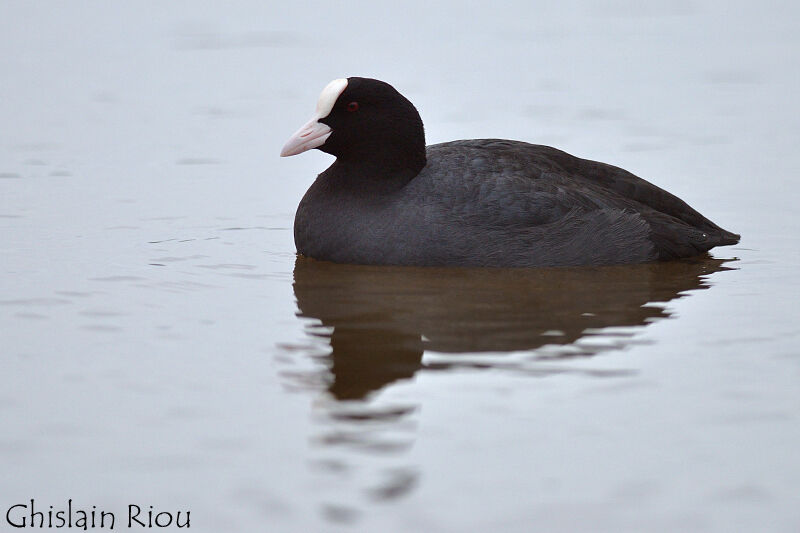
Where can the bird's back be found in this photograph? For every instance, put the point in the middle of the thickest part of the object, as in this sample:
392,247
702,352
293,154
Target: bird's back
512,184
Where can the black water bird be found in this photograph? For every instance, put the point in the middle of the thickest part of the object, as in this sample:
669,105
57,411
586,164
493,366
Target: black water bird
390,200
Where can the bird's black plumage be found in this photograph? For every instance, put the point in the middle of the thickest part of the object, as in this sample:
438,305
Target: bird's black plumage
485,202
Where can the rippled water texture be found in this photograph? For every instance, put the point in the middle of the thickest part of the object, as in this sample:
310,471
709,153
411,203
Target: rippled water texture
162,345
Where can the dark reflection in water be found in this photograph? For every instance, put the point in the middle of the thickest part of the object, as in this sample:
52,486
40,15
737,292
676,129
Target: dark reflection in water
384,318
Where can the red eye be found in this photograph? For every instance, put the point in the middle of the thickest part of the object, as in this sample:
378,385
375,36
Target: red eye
352,107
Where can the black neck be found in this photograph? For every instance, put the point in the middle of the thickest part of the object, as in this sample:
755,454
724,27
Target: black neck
374,174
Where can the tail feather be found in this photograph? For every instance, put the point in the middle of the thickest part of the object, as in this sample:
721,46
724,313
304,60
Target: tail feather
675,238
726,238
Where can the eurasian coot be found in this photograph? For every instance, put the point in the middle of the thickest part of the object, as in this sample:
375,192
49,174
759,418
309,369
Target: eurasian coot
389,200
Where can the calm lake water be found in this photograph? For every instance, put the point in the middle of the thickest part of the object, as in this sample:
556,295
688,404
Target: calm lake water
162,345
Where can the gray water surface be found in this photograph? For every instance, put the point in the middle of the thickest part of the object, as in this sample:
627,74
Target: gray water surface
162,344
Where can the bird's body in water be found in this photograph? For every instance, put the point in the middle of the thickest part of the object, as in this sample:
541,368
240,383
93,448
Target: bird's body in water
389,200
